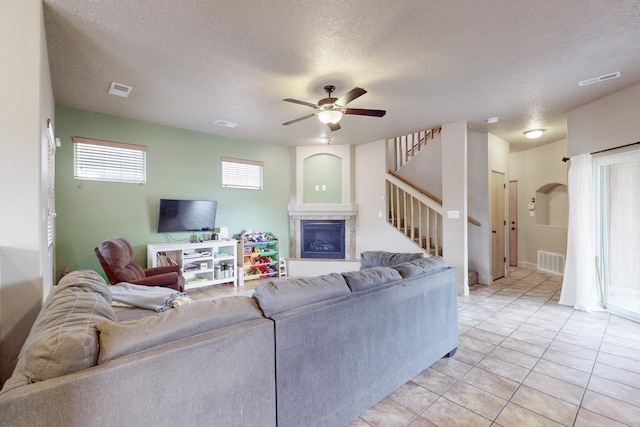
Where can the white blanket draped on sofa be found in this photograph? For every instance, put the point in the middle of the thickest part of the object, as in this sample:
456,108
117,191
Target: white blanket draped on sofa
155,298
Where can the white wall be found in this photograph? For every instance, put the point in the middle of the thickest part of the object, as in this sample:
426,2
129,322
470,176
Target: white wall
454,200
425,168
533,169
373,231
26,266
478,184
607,123
498,161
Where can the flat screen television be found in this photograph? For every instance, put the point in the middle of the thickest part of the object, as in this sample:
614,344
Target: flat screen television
186,215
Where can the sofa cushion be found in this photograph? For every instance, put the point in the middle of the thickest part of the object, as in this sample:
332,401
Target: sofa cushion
370,278
121,339
281,295
63,338
370,259
420,266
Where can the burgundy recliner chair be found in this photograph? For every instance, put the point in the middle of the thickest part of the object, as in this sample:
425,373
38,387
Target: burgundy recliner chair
115,256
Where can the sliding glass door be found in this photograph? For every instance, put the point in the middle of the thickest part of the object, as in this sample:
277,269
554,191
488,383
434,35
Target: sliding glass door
618,201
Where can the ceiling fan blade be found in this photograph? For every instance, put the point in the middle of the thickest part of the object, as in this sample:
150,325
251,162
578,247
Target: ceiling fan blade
365,112
334,126
299,119
350,96
295,101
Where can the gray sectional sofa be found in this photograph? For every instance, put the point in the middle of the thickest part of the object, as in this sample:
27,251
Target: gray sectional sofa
206,363
303,351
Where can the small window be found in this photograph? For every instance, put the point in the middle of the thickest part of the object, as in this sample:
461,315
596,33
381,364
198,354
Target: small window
109,161
51,180
238,173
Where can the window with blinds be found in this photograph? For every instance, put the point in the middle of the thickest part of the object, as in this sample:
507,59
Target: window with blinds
98,160
237,173
51,178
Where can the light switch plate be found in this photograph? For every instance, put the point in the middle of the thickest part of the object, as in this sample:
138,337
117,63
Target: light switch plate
453,214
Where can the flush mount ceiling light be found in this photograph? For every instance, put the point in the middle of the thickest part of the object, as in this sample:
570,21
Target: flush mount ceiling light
535,133
492,120
330,116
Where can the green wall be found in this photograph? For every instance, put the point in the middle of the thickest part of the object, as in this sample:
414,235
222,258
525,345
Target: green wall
323,171
181,164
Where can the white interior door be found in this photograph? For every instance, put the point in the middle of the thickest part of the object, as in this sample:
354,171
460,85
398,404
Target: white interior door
498,259
513,223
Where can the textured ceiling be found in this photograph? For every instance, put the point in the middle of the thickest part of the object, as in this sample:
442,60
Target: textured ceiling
192,62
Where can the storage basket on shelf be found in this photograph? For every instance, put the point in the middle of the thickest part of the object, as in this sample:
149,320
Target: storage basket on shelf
260,254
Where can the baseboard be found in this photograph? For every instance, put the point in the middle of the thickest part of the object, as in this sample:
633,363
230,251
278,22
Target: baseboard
528,265
484,279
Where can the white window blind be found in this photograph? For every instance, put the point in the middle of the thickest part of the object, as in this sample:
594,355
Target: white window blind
109,161
237,173
51,175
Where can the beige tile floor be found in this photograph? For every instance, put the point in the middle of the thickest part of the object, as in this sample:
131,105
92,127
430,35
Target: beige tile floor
523,361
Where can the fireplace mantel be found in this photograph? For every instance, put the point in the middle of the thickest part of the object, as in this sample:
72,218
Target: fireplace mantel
323,209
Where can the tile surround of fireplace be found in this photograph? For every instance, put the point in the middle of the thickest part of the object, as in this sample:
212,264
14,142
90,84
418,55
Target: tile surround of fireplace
295,232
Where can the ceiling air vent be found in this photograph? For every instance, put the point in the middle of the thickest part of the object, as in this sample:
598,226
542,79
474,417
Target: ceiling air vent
599,79
118,89
225,123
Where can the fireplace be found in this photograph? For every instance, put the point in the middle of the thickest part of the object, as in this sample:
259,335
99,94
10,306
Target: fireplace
322,239
346,217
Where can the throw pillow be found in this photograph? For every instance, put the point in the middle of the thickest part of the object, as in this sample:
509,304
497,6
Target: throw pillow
386,259
370,278
281,295
421,266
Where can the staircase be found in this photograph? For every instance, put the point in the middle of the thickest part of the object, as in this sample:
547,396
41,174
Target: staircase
413,211
407,146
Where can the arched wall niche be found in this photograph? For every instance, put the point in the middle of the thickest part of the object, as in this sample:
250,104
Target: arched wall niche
552,204
322,178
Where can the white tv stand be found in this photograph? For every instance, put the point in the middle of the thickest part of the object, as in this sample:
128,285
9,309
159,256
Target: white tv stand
206,263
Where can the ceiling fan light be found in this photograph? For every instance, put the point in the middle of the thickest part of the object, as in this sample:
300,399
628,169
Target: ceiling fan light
330,116
535,133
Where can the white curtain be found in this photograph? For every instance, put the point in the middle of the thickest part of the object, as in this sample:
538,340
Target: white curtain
580,283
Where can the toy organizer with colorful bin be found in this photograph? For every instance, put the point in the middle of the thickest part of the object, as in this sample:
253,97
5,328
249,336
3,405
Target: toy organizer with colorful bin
260,255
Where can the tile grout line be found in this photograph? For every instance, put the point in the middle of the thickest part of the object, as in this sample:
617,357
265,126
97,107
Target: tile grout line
507,401
537,296
586,386
591,375
539,358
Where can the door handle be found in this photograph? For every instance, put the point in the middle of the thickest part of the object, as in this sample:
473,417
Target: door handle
494,231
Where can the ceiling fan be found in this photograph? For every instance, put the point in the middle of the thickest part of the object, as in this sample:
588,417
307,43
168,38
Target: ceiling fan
330,110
